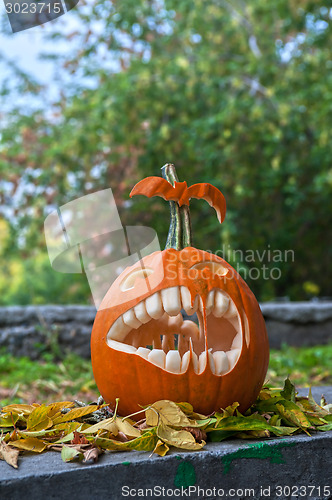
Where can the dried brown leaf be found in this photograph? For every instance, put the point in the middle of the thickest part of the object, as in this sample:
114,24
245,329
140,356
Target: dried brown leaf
9,454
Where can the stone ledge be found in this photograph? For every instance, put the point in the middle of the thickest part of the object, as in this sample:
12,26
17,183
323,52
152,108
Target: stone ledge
238,464
31,330
298,312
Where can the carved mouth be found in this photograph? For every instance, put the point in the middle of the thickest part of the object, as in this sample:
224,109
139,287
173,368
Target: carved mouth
156,330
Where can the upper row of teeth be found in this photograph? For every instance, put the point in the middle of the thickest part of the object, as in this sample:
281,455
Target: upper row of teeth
171,300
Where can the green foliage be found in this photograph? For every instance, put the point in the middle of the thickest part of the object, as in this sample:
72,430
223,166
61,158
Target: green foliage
23,281
305,365
237,94
27,380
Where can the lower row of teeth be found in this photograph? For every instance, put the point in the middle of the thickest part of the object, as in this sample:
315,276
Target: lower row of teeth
220,362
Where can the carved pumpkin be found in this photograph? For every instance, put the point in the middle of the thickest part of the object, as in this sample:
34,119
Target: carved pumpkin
142,348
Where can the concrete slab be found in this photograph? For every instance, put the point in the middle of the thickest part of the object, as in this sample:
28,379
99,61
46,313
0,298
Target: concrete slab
298,466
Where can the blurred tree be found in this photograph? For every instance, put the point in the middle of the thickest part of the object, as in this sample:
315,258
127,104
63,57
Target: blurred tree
235,93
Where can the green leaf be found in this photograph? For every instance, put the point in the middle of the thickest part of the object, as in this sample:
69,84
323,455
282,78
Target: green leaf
288,391
69,454
293,416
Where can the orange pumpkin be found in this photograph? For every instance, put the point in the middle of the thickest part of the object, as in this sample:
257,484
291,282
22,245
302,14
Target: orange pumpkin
141,347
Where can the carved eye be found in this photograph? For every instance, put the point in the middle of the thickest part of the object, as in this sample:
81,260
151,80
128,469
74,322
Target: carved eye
213,267
137,274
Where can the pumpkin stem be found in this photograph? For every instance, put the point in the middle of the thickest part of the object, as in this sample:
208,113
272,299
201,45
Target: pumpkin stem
179,234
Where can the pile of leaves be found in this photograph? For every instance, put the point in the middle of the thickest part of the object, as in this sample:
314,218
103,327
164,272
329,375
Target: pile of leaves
83,432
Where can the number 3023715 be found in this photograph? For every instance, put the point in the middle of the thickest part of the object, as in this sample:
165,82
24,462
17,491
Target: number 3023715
33,8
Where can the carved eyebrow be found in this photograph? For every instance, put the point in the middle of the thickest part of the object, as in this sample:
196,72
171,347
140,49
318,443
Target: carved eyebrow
129,281
214,267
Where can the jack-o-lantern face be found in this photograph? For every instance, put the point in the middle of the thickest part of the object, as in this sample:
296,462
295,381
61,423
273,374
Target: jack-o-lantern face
143,349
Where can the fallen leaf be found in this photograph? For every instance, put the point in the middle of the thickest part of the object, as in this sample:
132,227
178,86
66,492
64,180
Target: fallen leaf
9,454
75,413
108,424
30,444
169,413
288,391
38,419
79,438
91,454
178,438
198,434
161,448
68,454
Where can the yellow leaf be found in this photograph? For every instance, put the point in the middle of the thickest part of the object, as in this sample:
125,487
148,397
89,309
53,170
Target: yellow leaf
17,408
107,425
161,448
9,454
54,408
8,419
178,438
126,427
169,414
38,419
189,411
30,444
75,413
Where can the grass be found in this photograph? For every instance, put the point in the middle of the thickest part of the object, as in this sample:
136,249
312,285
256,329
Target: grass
25,381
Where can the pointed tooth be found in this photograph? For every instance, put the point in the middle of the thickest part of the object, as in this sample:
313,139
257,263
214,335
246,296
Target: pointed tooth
190,329
209,302
154,306
232,356
119,346
221,362
186,301
185,361
237,342
202,361
118,330
143,352
141,313
211,361
231,311
130,319
221,303
173,361
171,300
157,357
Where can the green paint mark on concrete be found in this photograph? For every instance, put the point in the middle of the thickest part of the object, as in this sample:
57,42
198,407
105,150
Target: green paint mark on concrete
126,463
257,450
185,475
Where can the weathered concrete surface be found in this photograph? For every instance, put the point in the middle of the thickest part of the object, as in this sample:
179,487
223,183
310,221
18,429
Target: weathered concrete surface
32,330
239,469
298,323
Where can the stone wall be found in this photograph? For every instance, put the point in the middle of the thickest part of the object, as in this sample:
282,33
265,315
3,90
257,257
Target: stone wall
33,330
